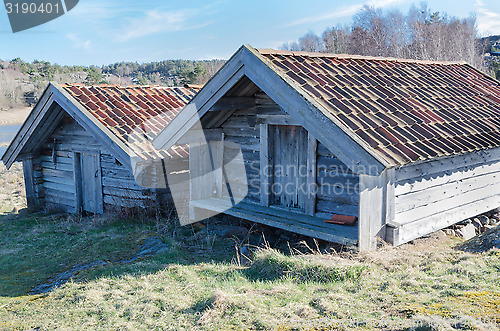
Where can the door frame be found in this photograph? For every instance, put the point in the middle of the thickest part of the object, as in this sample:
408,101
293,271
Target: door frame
266,163
78,180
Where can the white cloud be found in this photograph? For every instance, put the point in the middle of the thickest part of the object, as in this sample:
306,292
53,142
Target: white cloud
154,21
78,42
342,12
488,21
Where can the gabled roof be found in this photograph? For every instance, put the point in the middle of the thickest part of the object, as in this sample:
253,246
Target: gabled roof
124,119
406,110
397,111
123,110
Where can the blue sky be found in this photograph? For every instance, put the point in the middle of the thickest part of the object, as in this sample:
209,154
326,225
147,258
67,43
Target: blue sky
106,31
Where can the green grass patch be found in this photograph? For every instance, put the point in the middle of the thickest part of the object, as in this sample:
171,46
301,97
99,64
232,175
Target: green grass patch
34,249
272,265
199,284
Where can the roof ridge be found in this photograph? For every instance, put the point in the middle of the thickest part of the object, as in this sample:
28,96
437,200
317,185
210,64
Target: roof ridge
269,51
67,85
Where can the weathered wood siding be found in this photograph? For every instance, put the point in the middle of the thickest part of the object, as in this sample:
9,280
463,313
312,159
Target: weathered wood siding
238,130
338,187
56,180
433,195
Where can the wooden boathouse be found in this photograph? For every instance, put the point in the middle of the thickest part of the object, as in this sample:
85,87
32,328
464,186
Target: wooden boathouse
80,146
407,147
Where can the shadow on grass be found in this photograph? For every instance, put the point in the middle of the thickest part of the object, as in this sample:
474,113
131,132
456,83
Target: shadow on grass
38,251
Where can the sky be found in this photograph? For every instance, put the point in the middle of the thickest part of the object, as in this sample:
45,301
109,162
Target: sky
106,31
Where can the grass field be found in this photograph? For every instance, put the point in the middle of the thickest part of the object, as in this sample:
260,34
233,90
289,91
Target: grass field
199,284
12,193
202,284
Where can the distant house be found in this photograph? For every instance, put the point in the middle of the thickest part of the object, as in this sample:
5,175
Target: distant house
80,146
418,140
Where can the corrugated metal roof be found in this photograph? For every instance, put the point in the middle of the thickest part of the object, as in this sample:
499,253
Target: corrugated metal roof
405,110
135,114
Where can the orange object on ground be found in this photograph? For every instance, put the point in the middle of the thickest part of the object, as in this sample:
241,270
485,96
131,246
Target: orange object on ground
342,219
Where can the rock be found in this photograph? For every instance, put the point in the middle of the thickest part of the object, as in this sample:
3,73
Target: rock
15,210
152,245
449,232
488,227
484,242
467,232
478,225
465,222
24,211
198,226
235,231
484,220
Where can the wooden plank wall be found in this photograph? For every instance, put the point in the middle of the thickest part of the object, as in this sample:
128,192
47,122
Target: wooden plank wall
238,129
57,169
338,186
436,194
332,175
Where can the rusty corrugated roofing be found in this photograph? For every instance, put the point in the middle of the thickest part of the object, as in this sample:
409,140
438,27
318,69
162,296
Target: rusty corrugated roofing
405,110
135,114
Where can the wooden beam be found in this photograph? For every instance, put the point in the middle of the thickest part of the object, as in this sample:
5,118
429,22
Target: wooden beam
29,183
265,165
232,103
311,175
371,211
390,196
78,181
201,136
30,124
289,221
277,120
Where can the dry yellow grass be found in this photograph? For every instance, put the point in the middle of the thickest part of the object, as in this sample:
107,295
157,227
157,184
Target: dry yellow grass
425,285
12,192
13,116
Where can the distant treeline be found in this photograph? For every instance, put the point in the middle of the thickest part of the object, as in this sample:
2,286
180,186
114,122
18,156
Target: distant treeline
420,34
21,83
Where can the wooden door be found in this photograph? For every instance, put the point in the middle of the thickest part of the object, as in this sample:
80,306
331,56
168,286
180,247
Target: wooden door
90,195
289,146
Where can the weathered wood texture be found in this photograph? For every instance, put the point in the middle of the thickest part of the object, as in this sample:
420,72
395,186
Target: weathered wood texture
283,219
96,179
375,198
433,195
337,186
265,144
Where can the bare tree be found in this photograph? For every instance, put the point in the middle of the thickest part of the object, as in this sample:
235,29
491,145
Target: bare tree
308,43
336,39
421,34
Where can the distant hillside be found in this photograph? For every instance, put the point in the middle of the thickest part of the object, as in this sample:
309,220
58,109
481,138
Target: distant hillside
21,83
491,49
491,43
